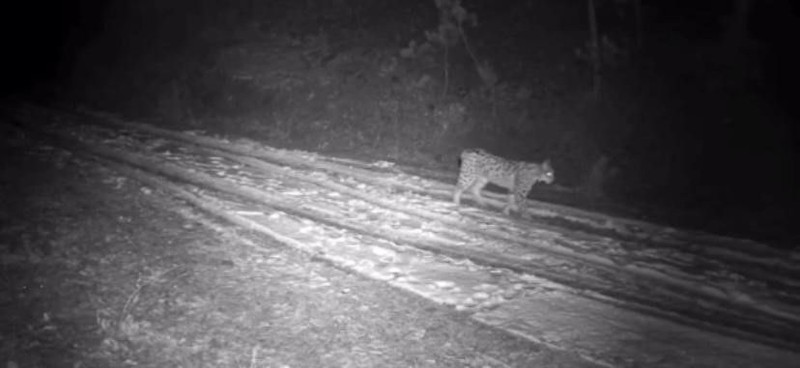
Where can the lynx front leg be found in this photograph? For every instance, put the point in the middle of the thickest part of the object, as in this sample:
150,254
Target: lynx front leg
516,202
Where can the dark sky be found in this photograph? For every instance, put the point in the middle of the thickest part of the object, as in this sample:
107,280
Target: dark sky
37,35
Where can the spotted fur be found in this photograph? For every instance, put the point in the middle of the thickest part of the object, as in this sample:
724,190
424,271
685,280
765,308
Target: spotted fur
479,168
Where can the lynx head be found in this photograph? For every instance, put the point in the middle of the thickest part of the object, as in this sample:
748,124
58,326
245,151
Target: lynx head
546,173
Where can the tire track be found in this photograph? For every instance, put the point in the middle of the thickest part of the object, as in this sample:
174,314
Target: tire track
633,287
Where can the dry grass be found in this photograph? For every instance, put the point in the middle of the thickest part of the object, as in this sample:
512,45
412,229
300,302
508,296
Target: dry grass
101,272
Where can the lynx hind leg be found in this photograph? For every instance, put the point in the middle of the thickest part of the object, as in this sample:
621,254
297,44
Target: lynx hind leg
510,204
457,194
463,183
476,188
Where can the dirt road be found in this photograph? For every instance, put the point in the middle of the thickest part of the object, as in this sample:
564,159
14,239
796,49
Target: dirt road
130,245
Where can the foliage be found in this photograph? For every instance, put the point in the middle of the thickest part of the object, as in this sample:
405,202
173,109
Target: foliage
419,80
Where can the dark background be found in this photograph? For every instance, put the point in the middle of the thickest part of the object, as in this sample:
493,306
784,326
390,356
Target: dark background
707,134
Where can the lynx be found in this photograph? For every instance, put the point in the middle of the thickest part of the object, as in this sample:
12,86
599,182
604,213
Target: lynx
479,168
